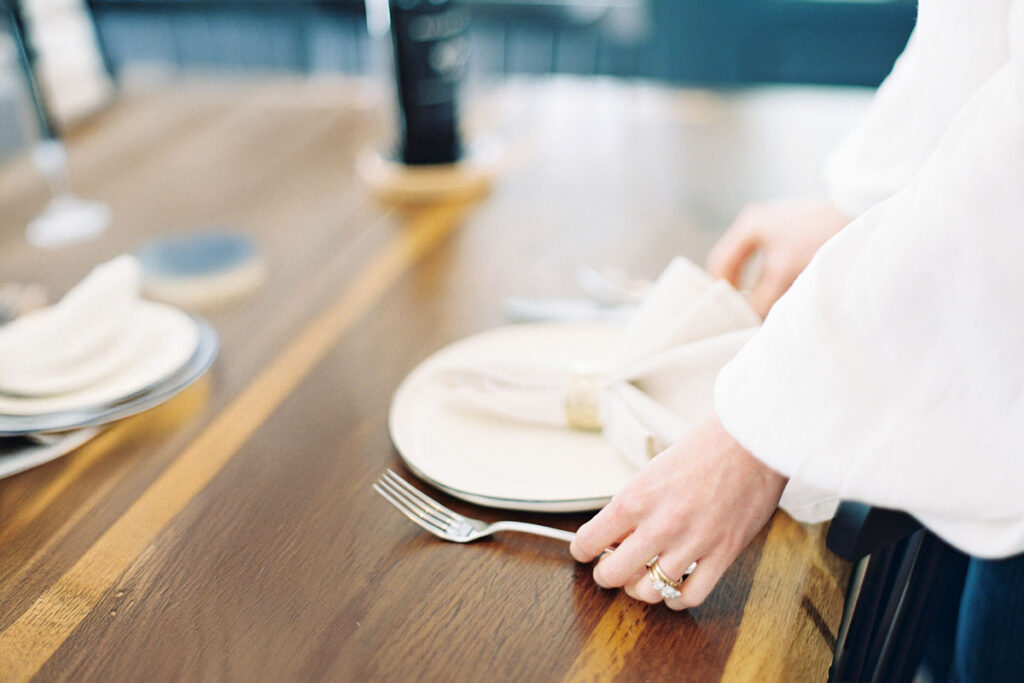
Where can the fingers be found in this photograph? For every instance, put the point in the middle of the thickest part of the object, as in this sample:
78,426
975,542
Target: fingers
588,543
639,588
607,528
700,583
768,289
694,589
618,568
731,253
673,563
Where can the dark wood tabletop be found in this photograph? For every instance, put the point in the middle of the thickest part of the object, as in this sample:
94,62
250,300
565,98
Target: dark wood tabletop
232,533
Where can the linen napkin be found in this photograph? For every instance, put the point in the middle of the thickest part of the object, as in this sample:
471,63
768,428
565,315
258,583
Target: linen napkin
100,344
74,342
658,385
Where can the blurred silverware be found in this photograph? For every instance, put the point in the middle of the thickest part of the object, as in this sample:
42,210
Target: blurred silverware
609,294
540,309
611,286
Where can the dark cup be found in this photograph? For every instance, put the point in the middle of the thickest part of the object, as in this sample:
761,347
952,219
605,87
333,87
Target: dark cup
431,50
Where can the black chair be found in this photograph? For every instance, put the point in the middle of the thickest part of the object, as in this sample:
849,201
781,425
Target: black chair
893,592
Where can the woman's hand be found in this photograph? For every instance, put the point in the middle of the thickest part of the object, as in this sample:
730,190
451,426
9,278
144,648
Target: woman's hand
787,234
701,500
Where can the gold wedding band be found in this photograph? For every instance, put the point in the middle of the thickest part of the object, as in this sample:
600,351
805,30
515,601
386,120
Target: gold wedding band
668,587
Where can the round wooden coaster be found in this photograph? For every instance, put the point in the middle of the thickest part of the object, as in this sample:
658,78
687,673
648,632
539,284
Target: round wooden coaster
201,269
397,183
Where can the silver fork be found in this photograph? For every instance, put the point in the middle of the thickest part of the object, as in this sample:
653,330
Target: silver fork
448,524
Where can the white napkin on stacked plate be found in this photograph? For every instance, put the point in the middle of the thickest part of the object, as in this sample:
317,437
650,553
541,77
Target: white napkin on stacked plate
99,344
661,383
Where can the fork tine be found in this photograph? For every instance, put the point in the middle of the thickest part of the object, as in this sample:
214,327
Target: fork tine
420,496
415,517
414,504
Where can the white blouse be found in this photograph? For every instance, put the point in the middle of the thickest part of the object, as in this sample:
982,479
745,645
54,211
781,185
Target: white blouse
892,372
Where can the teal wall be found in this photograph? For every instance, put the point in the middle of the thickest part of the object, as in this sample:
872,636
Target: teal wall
681,41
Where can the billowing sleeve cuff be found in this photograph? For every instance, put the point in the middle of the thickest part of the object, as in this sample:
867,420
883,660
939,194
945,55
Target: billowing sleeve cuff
954,49
891,372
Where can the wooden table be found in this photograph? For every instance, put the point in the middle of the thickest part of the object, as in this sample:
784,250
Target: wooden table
232,533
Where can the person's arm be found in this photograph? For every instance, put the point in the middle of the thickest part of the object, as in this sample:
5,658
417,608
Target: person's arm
893,370
891,373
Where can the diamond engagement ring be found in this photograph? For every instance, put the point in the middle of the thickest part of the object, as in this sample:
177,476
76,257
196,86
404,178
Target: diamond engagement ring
668,587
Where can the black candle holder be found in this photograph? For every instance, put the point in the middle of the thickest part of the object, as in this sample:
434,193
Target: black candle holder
429,161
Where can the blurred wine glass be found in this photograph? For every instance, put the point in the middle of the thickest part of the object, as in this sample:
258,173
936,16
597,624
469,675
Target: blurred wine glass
67,219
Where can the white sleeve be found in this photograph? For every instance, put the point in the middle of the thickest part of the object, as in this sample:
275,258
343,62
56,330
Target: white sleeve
955,47
892,372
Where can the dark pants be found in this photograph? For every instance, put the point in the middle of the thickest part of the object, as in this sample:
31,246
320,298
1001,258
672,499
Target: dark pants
976,633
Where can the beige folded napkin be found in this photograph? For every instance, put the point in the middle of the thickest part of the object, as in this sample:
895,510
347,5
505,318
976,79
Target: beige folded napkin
70,344
656,388
100,343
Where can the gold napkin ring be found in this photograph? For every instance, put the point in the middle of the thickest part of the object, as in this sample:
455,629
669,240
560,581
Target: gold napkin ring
669,588
582,400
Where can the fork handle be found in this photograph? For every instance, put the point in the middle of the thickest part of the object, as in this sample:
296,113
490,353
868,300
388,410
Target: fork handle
535,529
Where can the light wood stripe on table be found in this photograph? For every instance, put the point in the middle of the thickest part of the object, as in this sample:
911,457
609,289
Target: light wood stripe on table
607,647
31,640
754,656
166,416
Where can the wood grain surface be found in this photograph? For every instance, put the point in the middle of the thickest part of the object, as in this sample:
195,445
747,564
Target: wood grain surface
232,534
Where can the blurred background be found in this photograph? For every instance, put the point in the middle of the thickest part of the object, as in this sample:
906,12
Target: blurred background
86,47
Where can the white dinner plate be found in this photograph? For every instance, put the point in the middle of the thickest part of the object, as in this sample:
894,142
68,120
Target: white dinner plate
18,454
193,367
160,339
500,463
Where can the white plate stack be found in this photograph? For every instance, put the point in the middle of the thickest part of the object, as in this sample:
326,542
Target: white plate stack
100,354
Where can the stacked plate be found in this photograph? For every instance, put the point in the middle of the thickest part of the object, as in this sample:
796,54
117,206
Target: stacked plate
488,418
502,463
100,354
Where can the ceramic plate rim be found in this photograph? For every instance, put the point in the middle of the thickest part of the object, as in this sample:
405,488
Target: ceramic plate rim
192,369
401,444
